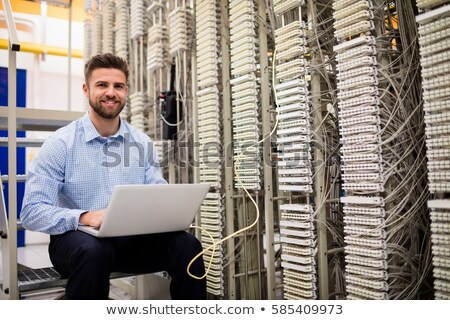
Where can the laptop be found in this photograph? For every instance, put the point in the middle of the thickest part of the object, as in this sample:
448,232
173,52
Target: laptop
151,208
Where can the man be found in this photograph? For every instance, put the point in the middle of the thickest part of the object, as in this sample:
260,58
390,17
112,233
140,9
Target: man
70,183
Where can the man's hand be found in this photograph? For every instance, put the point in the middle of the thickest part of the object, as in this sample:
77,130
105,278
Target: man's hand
92,218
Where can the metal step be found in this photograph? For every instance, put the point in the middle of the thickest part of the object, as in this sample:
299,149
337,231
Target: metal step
23,142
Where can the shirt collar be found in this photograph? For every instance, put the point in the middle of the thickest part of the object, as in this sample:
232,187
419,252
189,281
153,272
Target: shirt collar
90,133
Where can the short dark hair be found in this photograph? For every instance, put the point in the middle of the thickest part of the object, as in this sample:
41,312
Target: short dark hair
105,60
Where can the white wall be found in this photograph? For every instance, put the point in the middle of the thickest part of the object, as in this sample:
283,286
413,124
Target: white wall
47,76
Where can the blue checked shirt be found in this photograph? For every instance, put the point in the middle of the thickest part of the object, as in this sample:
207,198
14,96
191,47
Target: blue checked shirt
76,170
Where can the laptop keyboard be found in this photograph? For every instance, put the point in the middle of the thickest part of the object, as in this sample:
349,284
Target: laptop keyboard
34,276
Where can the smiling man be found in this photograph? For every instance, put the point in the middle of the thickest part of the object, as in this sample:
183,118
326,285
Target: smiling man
70,184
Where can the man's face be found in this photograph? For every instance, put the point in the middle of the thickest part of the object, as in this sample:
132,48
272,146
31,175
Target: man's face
106,91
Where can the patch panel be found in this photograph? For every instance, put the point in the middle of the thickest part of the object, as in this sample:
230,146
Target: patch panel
351,104
366,243
436,94
440,239
297,24
365,211
426,4
293,293
362,167
372,284
369,148
294,33
359,16
295,146
297,90
293,106
360,139
300,284
358,5
442,216
292,53
369,187
304,188
360,120
296,224
442,274
443,262
435,71
295,155
297,207
442,285
290,115
358,41
436,118
434,48
343,95
434,37
365,261
299,241
439,165
438,154
298,259
367,272
282,6
295,216
354,29
366,221
374,129
369,294
360,51
437,130
299,276
355,73
374,157
295,250
439,204
379,233
297,163
370,177
379,201
435,26
369,61
443,57
348,113
440,251
437,227
357,82
292,73
298,267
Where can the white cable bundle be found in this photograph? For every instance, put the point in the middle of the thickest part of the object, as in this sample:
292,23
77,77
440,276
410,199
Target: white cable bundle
137,105
137,18
108,26
245,98
157,48
87,5
87,52
209,106
435,62
121,27
97,33
359,127
180,29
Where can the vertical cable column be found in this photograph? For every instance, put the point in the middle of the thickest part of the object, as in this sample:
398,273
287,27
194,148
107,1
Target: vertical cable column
434,35
359,126
210,135
137,99
121,41
108,8
297,228
158,65
244,93
97,33
121,29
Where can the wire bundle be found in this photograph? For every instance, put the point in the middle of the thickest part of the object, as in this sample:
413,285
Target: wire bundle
209,106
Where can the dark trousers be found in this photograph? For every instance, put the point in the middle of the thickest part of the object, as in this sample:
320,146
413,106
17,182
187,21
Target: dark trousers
88,261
